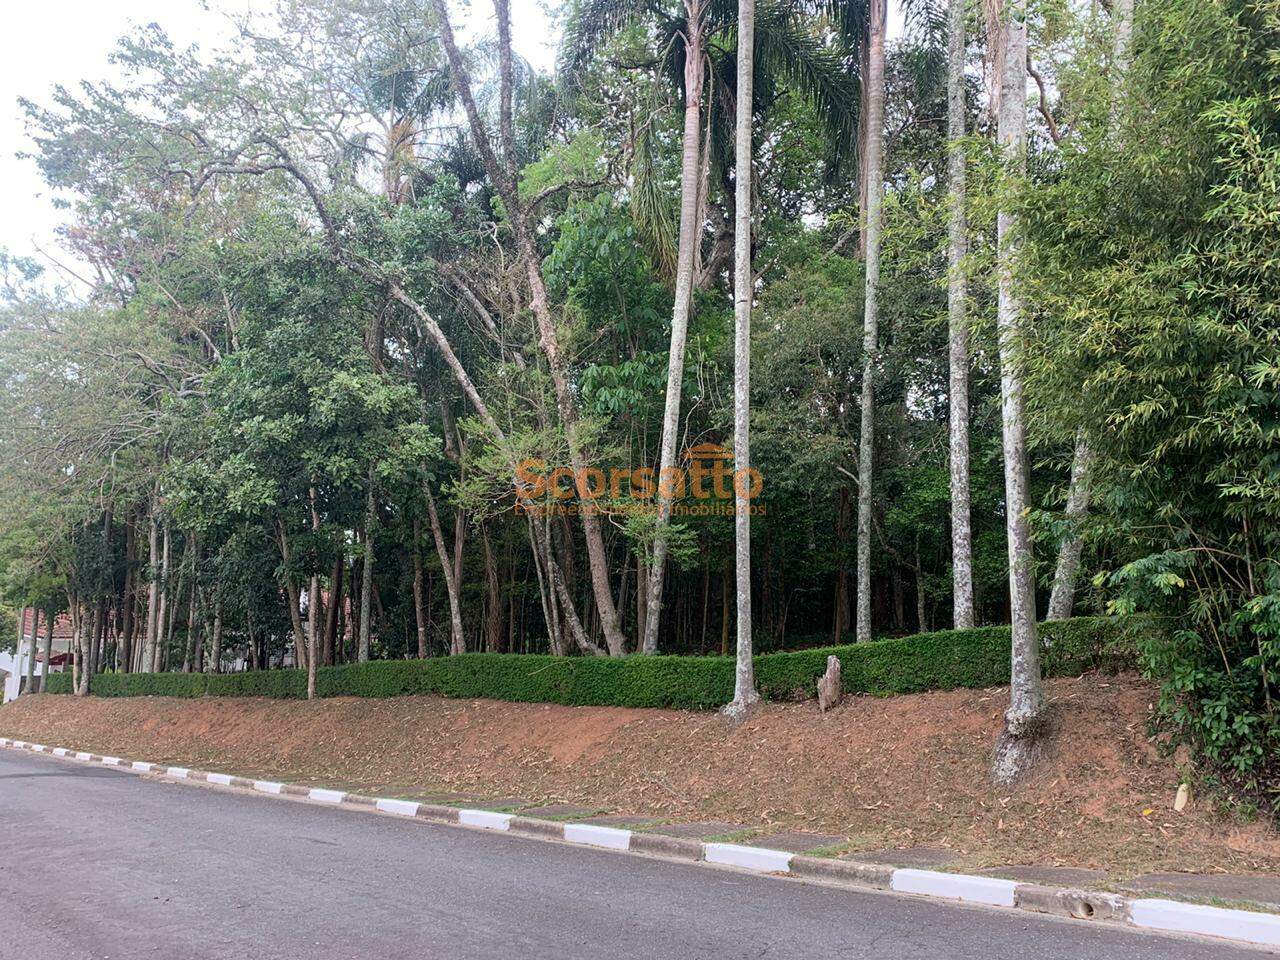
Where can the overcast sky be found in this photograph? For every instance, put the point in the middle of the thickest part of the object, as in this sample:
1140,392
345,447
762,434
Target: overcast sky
50,42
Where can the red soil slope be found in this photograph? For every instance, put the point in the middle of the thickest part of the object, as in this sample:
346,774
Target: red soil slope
905,771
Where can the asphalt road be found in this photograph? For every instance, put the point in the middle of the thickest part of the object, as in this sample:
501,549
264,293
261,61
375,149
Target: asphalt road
95,863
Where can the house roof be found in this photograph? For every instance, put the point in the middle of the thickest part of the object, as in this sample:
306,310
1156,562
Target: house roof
61,626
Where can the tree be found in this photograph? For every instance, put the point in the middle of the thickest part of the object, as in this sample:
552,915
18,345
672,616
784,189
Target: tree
783,49
504,175
690,229
1024,720
1148,257
958,327
874,192
744,685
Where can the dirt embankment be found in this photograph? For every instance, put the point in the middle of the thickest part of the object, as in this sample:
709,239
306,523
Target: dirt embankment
905,771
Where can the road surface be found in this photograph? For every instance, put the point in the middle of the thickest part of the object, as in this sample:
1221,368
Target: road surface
95,863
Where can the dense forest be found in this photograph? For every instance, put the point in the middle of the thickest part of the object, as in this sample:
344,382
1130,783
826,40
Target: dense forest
369,340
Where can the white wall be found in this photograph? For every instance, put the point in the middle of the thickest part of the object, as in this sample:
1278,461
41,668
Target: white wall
16,669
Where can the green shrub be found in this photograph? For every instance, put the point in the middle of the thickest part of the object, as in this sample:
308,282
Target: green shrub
931,661
58,683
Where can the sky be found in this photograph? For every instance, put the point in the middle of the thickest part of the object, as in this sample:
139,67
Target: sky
51,42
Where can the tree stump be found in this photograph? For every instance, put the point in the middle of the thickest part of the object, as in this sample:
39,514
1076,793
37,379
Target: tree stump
830,690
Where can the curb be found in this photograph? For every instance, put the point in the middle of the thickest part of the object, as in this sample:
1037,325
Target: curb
1164,916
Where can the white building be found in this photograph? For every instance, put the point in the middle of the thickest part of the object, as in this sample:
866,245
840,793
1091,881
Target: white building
13,666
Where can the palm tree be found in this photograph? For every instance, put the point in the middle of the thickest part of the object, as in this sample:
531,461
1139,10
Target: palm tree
1024,720
690,228
958,328
744,686
787,50
873,189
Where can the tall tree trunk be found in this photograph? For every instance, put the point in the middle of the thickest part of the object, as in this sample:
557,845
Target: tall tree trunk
706,600
313,632
596,555
214,664
77,643
546,594
127,597
255,662
642,601
153,589
105,586
690,234
870,323
336,588
419,614
922,622
504,176
344,607
840,598
457,639
459,542
899,598
48,650
198,661
958,328
313,603
291,595
1063,596
1019,741
193,630
726,577
99,636
744,678
493,595
163,613
165,655
366,571
31,648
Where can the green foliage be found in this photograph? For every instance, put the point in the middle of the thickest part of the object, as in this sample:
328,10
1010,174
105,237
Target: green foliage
1152,259
270,361
934,661
948,659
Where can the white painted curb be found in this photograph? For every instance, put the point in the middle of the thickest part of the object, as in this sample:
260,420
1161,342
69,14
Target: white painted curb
485,818
1166,916
404,808
1260,928
759,859
955,886
611,838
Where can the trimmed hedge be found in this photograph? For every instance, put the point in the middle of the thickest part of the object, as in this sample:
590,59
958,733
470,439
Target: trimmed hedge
931,661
